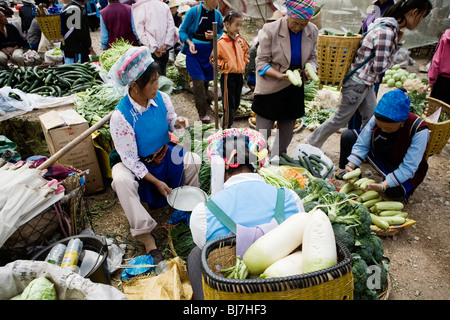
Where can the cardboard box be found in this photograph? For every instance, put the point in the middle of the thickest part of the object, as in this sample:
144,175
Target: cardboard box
60,128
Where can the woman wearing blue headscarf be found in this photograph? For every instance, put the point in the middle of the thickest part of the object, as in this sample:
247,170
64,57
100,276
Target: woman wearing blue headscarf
393,142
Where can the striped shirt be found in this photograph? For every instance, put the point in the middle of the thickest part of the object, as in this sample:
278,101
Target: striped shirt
381,40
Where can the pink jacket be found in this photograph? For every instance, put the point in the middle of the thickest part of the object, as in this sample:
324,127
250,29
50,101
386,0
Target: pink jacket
440,66
154,24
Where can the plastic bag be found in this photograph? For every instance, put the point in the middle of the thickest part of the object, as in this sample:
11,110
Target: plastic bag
309,149
173,284
13,100
31,57
16,276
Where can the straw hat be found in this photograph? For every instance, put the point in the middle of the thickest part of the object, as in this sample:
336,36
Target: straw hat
275,16
184,9
173,3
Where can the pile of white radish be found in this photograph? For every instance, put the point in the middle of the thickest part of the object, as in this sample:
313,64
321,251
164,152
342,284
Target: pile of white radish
275,254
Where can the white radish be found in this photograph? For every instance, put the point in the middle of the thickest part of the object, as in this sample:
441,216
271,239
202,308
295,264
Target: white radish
288,266
319,243
276,244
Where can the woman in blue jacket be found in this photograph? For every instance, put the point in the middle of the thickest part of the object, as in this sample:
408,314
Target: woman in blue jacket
196,34
393,142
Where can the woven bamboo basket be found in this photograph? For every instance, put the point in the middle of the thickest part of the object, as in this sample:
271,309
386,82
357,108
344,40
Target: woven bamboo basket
334,283
335,55
439,132
317,20
50,25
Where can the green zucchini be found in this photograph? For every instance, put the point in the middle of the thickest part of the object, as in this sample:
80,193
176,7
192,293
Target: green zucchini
379,222
394,220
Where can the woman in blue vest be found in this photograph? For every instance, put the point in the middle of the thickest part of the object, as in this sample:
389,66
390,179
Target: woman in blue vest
393,142
150,165
244,204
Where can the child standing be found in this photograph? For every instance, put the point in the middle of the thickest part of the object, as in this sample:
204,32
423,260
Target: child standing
232,58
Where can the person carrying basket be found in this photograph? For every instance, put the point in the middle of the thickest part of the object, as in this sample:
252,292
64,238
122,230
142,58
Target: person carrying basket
373,58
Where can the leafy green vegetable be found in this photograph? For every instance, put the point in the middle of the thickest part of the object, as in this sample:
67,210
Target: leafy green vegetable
95,103
310,205
57,52
418,102
335,203
273,176
345,234
311,89
173,74
317,188
182,240
110,56
39,289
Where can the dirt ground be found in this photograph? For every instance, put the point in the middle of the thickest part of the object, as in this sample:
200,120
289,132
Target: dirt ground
419,255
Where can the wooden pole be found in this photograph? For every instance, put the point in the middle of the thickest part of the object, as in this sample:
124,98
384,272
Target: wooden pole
72,144
216,95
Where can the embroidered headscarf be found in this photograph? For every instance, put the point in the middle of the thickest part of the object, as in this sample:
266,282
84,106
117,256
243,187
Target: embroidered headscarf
255,142
300,9
129,67
394,105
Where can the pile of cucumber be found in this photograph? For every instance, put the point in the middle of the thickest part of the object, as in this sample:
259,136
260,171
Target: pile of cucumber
56,81
311,162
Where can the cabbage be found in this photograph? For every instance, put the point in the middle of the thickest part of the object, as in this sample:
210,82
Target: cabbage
39,289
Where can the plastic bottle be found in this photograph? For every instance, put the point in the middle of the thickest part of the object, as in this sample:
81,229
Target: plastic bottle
72,255
56,254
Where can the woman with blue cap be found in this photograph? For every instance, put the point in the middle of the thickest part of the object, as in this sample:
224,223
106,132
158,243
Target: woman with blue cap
147,164
393,142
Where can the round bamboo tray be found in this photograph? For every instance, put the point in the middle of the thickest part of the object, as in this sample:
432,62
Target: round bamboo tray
335,55
384,233
334,283
439,132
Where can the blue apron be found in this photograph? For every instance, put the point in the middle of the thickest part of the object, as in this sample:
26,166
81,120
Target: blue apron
198,64
152,133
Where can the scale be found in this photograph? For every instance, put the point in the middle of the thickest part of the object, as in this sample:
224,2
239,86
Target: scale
185,198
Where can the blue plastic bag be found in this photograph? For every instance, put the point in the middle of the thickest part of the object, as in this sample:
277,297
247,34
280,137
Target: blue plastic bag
146,260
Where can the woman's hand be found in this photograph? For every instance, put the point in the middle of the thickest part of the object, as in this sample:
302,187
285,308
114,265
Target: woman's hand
163,188
182,122
283,76
192,47
350,167
380,187
209,34
307,74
